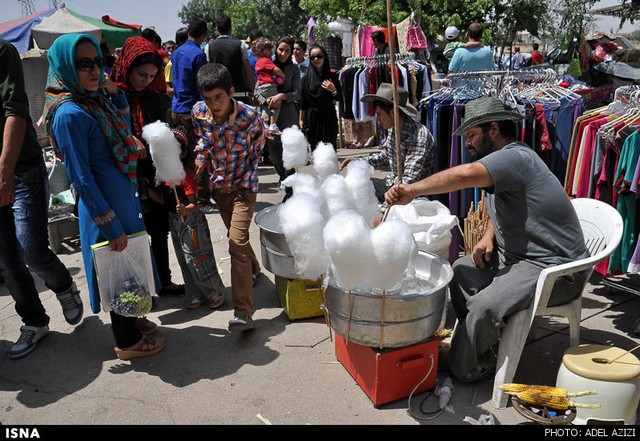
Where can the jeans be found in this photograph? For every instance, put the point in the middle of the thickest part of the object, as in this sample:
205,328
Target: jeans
24,241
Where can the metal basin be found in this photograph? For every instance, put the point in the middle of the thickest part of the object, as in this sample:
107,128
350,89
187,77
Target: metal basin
276,256
393,320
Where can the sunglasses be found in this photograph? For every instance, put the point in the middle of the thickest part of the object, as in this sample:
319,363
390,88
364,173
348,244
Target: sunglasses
316,57
87,64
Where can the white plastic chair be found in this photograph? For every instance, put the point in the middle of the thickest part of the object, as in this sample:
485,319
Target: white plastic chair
602,228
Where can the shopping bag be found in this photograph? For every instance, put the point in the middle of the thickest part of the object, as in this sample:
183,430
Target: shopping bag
125,279
130,295
415,37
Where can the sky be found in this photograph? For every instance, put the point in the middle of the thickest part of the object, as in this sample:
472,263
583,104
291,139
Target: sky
163,14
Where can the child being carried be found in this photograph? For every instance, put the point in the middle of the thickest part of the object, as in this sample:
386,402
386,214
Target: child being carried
269,77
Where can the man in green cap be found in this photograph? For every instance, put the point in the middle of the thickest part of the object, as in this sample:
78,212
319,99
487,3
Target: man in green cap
532,225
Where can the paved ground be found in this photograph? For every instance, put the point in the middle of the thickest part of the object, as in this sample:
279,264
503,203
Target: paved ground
284,372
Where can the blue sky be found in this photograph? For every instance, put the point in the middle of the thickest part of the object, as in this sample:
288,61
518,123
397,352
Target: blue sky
163,14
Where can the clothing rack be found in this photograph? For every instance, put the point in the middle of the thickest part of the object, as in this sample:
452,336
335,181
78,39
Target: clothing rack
383,58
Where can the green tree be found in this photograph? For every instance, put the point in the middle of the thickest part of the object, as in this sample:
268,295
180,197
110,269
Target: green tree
274,18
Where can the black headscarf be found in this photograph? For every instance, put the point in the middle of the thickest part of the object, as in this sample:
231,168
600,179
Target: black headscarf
314,79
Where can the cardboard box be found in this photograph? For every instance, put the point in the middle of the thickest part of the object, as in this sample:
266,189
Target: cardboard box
387,375
300,298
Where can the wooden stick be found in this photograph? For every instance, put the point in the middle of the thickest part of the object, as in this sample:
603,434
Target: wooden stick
394,84
177,200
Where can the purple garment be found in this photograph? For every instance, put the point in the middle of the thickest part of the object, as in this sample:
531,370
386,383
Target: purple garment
310,25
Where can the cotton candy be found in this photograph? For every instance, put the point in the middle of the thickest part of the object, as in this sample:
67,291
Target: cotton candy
393,249
295,148
165,153
362,191
325,161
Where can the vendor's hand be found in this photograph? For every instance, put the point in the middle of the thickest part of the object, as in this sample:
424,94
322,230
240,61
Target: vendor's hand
399,194
181,209
142,150
481,253
118,244
346,162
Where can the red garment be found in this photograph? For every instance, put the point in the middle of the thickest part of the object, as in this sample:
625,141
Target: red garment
110,21
264,70
542,131
134,47
536,57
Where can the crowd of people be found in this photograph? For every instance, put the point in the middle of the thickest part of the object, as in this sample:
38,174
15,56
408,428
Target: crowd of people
227,102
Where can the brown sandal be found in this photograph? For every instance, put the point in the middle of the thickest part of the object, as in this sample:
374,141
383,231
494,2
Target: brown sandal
145,347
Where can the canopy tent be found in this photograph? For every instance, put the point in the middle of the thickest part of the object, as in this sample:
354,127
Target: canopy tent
628,11
65,21
18,31
45,26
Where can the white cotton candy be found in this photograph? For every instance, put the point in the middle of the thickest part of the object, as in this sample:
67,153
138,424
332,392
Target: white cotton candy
348,241
305,183
302,224
362,190
165,152
295,148
394,248
325,161
337,195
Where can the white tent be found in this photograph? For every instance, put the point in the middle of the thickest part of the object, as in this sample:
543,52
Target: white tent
60,23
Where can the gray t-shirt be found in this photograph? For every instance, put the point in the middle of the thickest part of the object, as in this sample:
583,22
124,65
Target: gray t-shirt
532,215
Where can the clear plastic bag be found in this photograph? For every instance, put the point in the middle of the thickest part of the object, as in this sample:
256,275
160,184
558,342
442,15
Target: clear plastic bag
130,294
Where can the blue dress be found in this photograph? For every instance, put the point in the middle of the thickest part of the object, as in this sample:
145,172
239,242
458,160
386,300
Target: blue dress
100,184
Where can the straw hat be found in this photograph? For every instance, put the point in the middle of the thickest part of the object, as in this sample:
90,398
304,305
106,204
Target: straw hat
485,110
385,94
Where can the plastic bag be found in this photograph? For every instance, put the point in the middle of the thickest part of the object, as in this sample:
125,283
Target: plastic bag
130,294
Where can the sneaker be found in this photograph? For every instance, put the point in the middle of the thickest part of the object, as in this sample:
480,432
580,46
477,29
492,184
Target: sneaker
27,342
209,208
71,303
240,324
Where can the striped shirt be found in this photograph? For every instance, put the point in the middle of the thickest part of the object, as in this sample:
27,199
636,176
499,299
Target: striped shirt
417,153
233,148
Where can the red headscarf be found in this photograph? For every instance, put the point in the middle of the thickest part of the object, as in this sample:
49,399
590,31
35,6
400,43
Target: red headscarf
133,48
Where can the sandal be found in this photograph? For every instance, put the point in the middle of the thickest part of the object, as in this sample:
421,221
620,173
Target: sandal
196,302
144,348
216,301
146,326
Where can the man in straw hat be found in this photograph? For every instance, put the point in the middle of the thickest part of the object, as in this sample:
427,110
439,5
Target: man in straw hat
532,225
415,140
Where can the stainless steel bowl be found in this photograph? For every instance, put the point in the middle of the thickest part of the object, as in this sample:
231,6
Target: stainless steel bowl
276,256
396,320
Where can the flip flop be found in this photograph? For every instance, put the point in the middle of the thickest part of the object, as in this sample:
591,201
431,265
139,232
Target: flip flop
150,346
196,302
217,301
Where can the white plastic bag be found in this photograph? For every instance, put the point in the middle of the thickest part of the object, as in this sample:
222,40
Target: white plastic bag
431,223
130,295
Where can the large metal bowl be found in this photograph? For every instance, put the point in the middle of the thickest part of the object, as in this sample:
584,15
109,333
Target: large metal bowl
393,320
276,256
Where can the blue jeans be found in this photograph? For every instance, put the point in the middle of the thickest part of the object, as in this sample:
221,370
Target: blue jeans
24,241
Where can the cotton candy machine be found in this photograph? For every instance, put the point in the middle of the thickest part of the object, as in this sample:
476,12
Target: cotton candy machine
392,320
276,256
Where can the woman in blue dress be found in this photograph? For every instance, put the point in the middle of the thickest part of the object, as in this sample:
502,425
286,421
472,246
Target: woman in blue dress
86,117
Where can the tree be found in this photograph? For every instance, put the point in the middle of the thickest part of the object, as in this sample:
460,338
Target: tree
274,18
